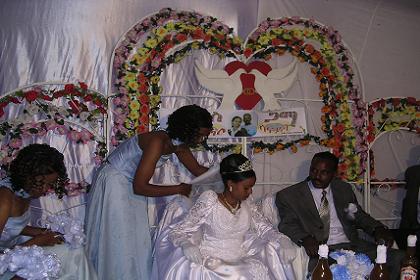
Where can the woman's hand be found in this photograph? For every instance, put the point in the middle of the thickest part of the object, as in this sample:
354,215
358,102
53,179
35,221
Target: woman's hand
185,189
47,238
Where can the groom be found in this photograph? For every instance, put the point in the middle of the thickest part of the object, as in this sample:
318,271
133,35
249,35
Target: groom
323,209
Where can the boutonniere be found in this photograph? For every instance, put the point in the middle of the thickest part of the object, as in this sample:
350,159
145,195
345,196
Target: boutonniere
351,210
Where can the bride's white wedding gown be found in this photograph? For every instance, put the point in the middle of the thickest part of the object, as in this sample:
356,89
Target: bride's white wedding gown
236,246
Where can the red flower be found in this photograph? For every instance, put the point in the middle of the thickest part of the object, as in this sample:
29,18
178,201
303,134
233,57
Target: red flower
411,100
144,99
59,93
339,128
276,42
395,101
83,86
248,52
46,97
142,87
69,88
207,38
181,37
87,98
97,102
31,95
14,100
144,109
198,34
75,106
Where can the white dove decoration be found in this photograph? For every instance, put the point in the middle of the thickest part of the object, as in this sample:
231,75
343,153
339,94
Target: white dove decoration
249,86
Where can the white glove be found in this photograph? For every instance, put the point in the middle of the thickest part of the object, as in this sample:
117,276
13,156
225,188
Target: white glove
192,253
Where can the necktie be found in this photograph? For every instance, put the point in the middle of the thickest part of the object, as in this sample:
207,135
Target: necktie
324,214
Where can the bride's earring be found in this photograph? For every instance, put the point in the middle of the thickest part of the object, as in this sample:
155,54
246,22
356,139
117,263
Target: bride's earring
230,188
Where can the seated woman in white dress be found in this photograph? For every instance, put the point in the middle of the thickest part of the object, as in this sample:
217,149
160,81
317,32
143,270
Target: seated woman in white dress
37,169
223,236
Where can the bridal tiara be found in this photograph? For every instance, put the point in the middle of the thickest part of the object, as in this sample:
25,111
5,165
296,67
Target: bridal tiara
246,166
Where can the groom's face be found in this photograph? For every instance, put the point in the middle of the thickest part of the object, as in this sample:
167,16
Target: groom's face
321,173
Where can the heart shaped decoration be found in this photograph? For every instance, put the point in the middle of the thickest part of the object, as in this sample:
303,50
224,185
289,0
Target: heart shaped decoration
169,36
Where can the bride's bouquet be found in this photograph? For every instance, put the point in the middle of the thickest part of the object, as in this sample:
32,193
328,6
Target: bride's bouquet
31,263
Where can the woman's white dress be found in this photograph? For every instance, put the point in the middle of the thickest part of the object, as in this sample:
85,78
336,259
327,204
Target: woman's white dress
74,263
236,246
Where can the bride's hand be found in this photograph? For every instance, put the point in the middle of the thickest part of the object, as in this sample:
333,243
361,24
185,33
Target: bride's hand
185,189
192,253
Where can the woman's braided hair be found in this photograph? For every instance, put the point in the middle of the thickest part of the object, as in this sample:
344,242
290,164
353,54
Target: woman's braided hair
34,160
184,124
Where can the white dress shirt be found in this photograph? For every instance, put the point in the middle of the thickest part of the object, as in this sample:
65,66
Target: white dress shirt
337,234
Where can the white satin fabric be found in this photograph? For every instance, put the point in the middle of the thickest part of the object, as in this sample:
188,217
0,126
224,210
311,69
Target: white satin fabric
237,246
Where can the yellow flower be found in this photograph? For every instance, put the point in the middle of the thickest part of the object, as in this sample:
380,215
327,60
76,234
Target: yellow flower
153,121
212,50
297,33
195,45
133,85
264,39
237,149
151,43
179,57
134,115
170,26
130,76
154,100
155,79
277,31
134,105
142,51
160,32
237,40
139,59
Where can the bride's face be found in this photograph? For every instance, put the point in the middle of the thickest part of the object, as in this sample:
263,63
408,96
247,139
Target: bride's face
243,189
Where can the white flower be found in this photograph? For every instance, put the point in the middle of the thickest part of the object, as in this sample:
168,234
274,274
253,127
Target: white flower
32,109
351,210
84,116
63,112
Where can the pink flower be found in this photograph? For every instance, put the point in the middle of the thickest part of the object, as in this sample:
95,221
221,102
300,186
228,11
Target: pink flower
85,136
74,135
114,141
116,101
62,130
15,143
98,160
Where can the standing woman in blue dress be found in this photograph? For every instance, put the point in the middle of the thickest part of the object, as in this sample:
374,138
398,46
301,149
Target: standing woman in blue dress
117,227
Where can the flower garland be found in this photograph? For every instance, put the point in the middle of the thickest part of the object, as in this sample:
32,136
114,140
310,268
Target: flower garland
85,106
331,68
138,75
390,114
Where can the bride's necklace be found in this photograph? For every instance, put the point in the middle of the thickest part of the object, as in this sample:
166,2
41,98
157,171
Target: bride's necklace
232,209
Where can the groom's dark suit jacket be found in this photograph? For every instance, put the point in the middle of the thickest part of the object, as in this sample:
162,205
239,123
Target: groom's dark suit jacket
299,216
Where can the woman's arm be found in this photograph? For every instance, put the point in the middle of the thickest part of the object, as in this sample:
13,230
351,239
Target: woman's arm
152,151
33,231
186,157
6,203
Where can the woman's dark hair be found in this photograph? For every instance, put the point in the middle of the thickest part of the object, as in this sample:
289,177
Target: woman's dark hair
34,160
230,168
184,124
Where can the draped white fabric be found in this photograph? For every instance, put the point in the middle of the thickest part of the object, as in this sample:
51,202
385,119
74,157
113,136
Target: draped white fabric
61,40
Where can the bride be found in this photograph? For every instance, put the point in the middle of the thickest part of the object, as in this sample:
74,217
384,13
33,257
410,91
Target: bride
223,236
